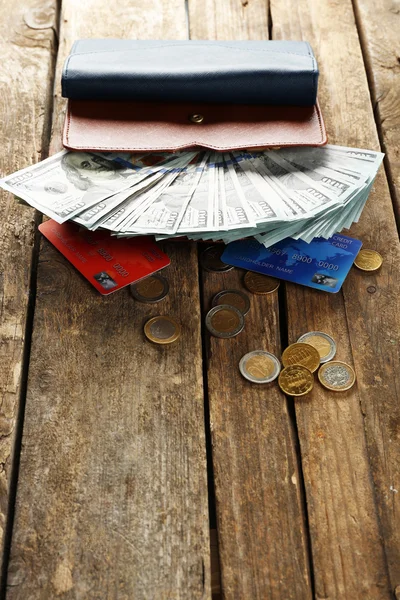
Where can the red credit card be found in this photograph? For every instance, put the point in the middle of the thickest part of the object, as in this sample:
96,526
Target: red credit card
109,263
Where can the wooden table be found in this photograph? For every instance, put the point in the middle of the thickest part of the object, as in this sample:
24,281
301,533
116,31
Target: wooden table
116,455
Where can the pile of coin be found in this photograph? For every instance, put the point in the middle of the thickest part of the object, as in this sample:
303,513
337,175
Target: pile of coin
313,350
229,307
226,317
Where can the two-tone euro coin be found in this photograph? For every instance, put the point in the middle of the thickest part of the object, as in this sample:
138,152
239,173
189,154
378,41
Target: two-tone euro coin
322,342
259,366
210,259
151,289
224,321
162,330
235,298
260,284
337,376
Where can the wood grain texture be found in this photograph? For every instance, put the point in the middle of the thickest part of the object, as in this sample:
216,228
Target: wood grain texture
355,546
261,531
260,515
112,496
27,42
378,23
228,20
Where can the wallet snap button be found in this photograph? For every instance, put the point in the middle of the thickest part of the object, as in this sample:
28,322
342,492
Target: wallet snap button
196,118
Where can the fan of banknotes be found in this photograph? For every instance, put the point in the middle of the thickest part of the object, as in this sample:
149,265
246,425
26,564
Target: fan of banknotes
296,192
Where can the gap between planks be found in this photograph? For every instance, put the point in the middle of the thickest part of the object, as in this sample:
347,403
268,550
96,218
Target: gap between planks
30,308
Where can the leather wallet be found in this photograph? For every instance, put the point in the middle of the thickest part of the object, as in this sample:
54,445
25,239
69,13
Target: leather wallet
135,95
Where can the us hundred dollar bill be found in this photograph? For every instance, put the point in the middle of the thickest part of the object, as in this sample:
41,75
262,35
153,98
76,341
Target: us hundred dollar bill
69,183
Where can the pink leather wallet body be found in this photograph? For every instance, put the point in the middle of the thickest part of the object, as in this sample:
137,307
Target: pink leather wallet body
132,95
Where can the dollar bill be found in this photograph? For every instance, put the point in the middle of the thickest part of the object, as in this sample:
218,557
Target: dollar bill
127,214
238,210
205,195
91,217
302,195
199,213
70,183
165,214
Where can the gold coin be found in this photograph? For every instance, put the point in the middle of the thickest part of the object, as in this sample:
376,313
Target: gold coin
368,260
337,376
260,284
301,354
162,330
296,380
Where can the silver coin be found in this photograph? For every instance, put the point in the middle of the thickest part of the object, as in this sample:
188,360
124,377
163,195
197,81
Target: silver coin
151,289
235,298
259,366
323,342
224,321
210,259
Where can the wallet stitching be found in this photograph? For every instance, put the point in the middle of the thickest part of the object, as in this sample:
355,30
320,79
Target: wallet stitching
321,128
315,67
316,109
178,45
65,79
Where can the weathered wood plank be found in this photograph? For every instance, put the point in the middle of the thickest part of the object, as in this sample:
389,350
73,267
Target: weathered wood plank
348,558
231,19
27,41
379,25
261,532
112,498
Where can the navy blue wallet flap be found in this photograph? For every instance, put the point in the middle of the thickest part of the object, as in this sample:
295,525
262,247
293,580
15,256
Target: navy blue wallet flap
229,72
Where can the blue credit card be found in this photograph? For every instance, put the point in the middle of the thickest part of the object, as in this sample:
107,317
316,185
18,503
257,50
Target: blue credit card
322,264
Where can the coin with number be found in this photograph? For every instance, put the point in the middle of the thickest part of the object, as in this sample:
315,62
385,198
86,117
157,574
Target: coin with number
210,259
337,376
296,380
151,289
235,298
162,330
301,354
368,260
259,366
322,342
260,284
224,321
